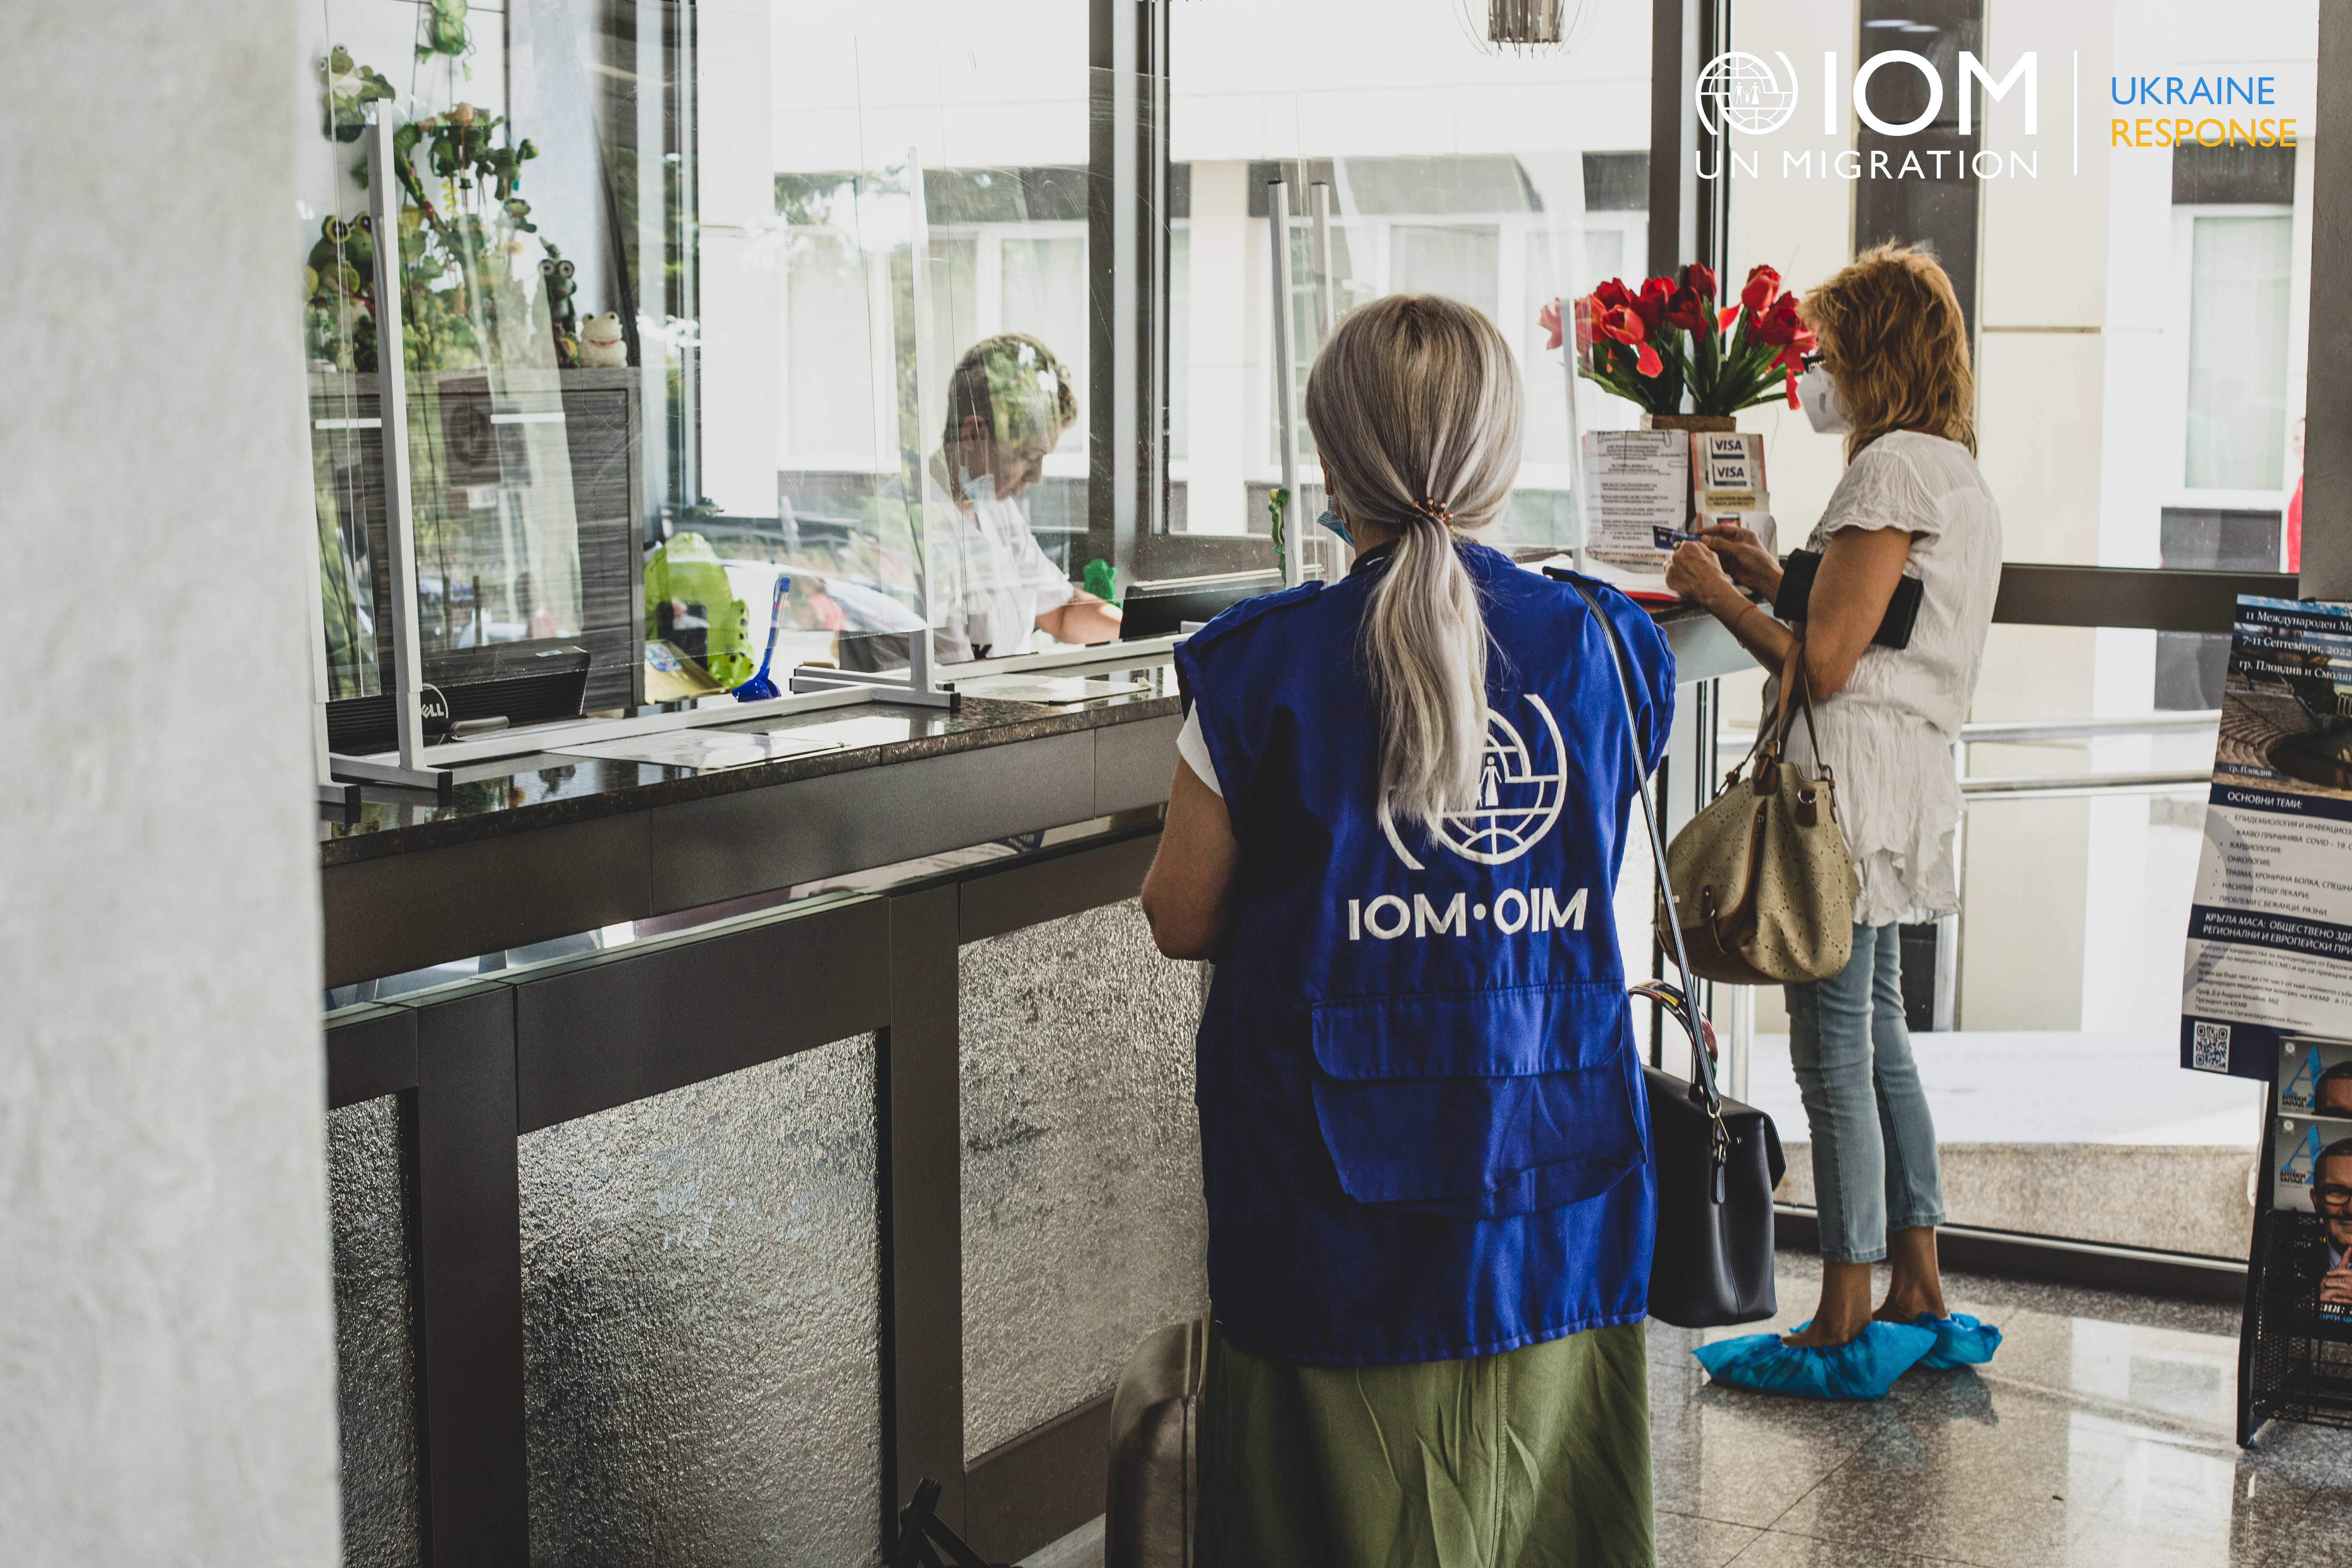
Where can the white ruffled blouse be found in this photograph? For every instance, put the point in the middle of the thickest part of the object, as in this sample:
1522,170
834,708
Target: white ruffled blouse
1889,731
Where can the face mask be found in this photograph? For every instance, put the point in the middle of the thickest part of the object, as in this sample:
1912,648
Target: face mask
1818,395
1331,520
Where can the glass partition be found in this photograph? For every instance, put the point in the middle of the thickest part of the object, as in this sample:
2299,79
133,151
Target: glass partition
539,210
717,321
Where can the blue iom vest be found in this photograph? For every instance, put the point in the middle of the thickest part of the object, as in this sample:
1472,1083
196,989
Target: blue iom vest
1423,1124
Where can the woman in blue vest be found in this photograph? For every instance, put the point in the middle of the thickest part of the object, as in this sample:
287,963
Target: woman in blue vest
1396,828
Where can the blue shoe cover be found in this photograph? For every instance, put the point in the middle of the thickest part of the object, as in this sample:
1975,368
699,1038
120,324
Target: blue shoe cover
1865,1369
1960,1341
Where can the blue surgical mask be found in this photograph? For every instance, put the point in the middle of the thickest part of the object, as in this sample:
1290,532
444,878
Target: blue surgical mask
1331,520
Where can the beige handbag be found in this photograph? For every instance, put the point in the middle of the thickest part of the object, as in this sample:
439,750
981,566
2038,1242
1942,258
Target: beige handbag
1762,878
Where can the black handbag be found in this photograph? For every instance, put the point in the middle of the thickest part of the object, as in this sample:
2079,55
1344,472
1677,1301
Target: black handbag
1717,1160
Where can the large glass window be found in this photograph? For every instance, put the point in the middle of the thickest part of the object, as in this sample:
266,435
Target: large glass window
1502,179
2136,277
2239,270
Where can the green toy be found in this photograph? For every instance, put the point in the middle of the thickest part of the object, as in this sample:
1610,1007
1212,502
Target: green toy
1102,582
563,306
444,22
351,88
685,574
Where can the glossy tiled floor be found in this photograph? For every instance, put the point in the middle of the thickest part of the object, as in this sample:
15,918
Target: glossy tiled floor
2099,1437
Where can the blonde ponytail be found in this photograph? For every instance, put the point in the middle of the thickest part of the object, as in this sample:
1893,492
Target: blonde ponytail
1416,411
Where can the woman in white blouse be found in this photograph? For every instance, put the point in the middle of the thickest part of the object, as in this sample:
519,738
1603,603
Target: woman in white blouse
1009,401
1895,376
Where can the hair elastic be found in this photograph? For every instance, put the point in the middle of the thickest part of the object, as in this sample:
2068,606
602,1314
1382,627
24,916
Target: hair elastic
1436,510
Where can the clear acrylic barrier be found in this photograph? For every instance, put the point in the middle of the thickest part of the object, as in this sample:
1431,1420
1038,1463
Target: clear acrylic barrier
538,192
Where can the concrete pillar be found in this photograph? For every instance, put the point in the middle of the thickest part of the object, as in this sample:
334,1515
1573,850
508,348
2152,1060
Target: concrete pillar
2327,450
166,1345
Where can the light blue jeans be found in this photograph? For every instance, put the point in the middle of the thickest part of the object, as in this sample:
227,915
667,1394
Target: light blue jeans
1874,1143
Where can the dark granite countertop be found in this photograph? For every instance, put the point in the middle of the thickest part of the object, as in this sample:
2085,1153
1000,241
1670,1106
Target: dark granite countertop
543,789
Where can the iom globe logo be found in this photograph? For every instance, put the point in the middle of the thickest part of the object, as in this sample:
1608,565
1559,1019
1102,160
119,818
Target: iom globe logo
1739,91
1519,797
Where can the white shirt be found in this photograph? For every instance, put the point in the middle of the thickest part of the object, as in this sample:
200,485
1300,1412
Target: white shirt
1194,747
989,581
1889,731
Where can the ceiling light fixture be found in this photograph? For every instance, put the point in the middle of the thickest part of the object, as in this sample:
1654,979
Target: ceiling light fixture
1528,27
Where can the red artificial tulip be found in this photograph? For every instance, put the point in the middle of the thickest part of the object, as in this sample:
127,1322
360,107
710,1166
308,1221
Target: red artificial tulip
1624,324
1686,310
1612,295
1725,317
1778,323
1763,288
1699,281
1584,323
1548,319
1651,302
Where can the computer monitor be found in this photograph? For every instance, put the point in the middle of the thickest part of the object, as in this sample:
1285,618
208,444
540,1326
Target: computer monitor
1162,608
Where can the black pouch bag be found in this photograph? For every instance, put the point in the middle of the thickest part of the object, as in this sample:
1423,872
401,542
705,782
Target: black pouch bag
1717,1160
1797,573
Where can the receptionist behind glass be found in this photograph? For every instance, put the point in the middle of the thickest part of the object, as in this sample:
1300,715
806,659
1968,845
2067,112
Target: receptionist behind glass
989,586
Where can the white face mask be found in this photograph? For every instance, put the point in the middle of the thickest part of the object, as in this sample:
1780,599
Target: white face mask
1818,395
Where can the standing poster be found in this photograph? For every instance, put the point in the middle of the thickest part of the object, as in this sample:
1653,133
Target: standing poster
2270,930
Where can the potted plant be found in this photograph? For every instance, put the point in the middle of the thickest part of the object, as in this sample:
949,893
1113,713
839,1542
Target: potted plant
1652,346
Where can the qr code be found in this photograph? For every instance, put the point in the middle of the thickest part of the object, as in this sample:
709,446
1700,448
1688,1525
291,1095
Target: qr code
2209,1047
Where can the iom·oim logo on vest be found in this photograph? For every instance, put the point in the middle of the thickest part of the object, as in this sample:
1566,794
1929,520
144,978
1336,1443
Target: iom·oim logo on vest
1519,797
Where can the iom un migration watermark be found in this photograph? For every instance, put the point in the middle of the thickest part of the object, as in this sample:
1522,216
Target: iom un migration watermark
1748,95
1744,94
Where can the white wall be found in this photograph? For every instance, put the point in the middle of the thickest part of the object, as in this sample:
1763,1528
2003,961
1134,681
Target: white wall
167,1356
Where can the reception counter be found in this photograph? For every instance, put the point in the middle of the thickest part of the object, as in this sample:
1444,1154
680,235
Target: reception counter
857,1148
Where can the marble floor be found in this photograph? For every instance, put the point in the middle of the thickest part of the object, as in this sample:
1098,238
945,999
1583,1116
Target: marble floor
2101,1437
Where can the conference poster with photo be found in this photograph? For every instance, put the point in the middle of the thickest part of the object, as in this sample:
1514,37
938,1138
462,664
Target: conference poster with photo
2269,958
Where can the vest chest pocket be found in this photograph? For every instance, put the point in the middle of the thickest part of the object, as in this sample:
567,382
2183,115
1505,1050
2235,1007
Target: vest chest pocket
1478,1105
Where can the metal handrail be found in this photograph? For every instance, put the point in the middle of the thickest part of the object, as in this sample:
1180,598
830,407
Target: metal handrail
2061,784
2031,731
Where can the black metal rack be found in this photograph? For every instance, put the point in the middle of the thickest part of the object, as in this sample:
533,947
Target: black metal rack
2294,1355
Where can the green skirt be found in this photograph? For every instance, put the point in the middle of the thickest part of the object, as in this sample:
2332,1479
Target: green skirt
1538,1458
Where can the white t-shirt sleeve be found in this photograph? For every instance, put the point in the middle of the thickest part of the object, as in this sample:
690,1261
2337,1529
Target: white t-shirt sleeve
1899,480
1194,747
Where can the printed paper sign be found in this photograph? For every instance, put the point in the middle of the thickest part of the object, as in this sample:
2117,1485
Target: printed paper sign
2315,1077
1635,482
2270,931
2311,1155
1729,477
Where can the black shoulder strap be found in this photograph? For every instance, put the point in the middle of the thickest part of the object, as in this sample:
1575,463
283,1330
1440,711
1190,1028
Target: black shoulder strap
1680,1001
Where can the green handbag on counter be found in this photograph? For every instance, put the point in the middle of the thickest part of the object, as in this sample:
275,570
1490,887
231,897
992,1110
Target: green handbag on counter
1762,877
